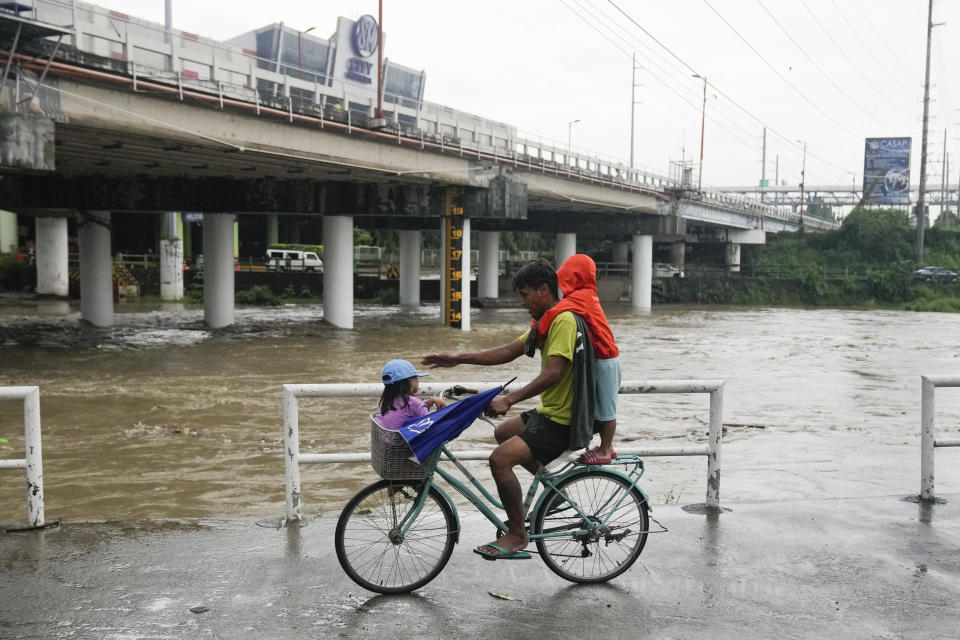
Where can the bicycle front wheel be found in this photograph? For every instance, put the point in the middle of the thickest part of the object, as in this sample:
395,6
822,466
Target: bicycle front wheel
372,550
605,544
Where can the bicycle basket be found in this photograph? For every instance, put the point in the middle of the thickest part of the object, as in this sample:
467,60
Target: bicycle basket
391,457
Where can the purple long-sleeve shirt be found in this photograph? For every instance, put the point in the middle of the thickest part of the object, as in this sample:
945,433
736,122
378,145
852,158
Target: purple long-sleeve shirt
403,407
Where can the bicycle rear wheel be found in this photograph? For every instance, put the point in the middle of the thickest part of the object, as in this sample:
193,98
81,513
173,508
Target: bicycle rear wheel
372,551
591,552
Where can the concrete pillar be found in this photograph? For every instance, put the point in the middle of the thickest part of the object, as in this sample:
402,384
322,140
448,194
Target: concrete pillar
642,272
236,238
171,259
488,277
273,229
409,269
565,247
8,231
96,268
51,256
731,256
678,254
338,270
621,252
467,272
218,271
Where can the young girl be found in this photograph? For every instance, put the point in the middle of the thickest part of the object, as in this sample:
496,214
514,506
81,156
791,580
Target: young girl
398,402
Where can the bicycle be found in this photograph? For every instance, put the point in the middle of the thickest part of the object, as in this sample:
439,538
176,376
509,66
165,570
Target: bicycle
589,524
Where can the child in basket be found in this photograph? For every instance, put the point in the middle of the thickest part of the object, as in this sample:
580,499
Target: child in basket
398,402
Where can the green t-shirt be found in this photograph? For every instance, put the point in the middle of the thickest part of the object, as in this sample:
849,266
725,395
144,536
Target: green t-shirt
557,402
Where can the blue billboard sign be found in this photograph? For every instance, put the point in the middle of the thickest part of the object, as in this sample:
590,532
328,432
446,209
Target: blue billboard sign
886,171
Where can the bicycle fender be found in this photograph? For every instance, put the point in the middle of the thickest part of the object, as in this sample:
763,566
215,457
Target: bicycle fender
456,514
580,471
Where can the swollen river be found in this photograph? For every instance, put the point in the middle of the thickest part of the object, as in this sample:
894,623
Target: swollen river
160,417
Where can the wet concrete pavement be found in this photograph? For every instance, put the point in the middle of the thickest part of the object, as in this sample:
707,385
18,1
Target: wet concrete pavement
845,568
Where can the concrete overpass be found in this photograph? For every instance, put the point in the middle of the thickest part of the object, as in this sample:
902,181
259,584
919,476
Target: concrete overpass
86,134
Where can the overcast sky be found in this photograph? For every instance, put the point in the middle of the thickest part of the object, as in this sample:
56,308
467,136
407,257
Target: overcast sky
828,72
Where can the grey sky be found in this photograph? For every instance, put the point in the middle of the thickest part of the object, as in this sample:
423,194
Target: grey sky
849,69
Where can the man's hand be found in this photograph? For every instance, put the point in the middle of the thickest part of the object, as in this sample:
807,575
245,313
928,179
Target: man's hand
444,360
498,407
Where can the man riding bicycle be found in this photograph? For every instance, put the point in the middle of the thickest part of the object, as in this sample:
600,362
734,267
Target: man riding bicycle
566,389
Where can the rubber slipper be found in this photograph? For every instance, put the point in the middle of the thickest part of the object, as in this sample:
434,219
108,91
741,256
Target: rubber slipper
591,457
503,553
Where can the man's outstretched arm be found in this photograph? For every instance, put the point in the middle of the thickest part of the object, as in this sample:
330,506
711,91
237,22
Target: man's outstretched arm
550,375
497,355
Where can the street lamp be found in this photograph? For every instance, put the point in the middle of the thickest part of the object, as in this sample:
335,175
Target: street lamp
569,132
703,126
300,45
803,178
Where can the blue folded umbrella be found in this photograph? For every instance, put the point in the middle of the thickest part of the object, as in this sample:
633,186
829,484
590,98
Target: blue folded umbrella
425,433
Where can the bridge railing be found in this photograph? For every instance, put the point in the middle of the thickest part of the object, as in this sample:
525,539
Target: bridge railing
291,429
186,61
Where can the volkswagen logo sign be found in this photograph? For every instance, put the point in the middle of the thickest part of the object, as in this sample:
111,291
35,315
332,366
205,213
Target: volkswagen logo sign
364,36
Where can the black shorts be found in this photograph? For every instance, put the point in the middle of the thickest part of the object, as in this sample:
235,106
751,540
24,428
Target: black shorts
546,439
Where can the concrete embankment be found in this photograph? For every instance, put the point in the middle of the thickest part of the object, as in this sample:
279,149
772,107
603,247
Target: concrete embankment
846,568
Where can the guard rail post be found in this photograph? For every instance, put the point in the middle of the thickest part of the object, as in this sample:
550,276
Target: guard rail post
291,452
928,441
33,453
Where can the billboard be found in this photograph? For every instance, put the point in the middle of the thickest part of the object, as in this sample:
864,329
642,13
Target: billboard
886,171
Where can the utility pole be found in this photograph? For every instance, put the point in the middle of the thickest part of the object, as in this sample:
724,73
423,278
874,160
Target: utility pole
633,101
703,128
803,179
763,166
379,113
943,174
921,197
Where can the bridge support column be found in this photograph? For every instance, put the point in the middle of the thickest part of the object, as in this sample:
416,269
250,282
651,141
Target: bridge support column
51,257
218,274
488,277
621,252
731,256
641,273
8,231
678,254
409,269
273,229
566,246
96,268
171,259
338,270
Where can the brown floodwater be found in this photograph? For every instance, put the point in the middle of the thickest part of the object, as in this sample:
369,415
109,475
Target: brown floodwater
160,417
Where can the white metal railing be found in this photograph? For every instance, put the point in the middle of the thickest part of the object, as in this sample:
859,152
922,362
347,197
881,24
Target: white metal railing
928,441
32,461
291,428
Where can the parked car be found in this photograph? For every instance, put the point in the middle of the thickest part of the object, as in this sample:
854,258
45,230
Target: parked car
934,274
293,260
664,270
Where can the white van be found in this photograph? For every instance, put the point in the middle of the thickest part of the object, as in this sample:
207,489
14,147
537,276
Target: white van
293,260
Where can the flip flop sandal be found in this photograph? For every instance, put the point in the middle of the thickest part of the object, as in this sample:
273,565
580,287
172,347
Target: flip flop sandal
502,554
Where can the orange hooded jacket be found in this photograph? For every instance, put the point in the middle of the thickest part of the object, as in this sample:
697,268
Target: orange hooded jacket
577,278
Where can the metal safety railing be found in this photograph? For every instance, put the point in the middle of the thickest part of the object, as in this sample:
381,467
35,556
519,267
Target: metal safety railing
928,440
32,461
291,429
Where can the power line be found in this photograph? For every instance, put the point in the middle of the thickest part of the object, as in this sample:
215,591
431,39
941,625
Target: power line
814,62
755,118
693,105
781,76
847,58
866,47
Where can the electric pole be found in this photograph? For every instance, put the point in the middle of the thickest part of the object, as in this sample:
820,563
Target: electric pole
921,212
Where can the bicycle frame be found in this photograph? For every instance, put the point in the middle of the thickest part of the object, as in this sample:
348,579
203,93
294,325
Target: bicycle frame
550,480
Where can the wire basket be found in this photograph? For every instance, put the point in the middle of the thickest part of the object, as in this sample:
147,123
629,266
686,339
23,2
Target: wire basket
391,457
